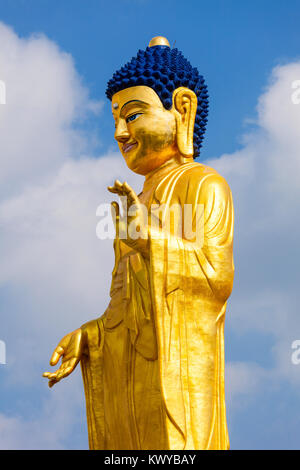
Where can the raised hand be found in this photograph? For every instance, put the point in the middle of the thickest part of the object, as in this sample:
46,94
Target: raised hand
70,349
132,228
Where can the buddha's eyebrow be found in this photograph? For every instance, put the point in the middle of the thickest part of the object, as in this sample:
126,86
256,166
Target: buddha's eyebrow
132,101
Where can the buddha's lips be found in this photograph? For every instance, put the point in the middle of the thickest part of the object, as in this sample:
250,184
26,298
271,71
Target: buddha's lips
128,147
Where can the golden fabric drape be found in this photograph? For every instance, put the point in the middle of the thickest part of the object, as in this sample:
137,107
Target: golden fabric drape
170,323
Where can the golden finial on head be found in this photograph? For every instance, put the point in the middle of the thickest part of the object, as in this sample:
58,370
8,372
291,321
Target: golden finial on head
159,41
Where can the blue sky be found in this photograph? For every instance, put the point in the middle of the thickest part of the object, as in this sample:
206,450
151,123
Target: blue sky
58,155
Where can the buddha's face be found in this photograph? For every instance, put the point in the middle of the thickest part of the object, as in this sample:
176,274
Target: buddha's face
145,130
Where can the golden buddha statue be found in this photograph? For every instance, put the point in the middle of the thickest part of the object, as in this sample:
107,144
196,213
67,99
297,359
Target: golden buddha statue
153,363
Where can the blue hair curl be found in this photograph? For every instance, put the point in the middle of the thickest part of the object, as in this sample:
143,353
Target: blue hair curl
164,69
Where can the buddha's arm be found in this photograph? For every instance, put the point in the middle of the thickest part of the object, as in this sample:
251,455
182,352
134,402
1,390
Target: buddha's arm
208,260
215,257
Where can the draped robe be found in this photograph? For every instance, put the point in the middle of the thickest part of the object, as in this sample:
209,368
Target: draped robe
154,370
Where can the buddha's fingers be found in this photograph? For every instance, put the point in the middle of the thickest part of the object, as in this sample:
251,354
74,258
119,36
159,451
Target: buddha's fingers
131,195
55,377
129,191
115,214
115,210
67,371
120,192
50,376
67,368
58,352
46,374
123,189
112,189
52,382
116,188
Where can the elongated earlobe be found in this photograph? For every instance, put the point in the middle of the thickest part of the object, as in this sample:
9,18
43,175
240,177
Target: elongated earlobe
185,109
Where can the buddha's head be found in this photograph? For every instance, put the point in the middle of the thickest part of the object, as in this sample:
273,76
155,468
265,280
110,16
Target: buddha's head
160,107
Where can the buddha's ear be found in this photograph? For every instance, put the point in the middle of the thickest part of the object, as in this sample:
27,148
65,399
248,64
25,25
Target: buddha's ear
185,109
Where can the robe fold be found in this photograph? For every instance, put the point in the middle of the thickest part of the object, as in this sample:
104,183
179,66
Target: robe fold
154,372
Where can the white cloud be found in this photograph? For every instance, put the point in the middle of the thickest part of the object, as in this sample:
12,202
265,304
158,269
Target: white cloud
55,273
58,272
243,382
264,177
44,97
50,253
50,426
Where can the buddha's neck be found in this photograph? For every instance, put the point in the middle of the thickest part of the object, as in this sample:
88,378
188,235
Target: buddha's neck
157,174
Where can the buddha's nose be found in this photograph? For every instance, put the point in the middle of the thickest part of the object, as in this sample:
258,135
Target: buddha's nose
122,134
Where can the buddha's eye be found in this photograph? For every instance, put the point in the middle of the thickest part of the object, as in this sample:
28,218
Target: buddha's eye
133,117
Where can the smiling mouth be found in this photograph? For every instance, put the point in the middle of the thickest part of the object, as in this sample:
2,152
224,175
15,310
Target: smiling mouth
128,147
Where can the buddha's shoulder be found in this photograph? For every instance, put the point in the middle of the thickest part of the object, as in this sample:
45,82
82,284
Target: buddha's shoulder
195,174
191,179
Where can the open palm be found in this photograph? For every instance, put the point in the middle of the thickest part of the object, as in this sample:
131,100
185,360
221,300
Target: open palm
70,349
